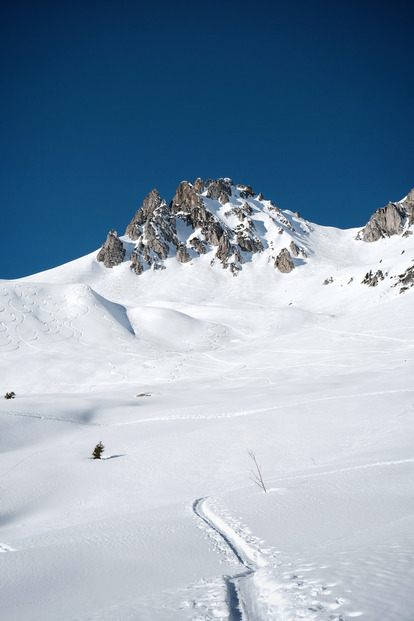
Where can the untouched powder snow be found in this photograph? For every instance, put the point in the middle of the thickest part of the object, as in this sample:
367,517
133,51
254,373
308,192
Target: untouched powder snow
179,373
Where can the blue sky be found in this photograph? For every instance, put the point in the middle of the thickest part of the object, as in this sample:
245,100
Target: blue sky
309,102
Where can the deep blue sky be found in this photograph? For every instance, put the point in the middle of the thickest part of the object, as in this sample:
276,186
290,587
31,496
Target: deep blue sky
310,102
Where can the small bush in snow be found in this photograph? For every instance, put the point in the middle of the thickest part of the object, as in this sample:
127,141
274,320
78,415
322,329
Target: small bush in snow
98,450
257,472
10,395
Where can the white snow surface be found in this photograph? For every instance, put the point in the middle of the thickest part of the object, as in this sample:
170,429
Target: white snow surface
316,380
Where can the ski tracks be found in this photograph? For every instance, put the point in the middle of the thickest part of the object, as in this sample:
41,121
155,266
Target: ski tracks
265,589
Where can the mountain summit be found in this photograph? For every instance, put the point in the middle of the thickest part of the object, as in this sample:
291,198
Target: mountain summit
228,223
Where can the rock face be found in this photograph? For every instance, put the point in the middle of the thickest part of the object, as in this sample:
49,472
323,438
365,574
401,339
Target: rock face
183,254
284,262
294,249
198,245
372,279
215,224
112,252
137,264
189,206
223,249
212,217
408,204
150,204
220,190
406,280
199,185
389,220
246,191
154,228
385,222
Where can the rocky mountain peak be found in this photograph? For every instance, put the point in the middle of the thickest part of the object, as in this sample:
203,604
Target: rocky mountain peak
152,202
225,222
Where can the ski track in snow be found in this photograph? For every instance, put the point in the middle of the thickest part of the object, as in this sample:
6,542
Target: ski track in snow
264,591
262,410
378,464
244,554
51,418
370,336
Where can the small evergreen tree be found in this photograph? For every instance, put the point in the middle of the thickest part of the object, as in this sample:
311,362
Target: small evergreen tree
98,450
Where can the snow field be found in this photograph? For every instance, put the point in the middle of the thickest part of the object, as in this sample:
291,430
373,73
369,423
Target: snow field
316,380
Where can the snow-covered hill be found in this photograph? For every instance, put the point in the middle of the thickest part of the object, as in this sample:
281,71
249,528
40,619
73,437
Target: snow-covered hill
217,324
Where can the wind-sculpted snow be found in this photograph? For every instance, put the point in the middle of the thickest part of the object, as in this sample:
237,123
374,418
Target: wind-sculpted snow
168,328
44,317
109,341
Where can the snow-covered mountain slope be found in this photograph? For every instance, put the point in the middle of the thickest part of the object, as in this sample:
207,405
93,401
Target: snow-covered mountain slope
180,368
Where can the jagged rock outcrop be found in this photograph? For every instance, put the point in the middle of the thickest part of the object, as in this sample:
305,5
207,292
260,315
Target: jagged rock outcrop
389,220
247,241
220,190
237,255
212,231
137,264
294,249
245,191
112,252
284,262
406,280
189,206
198,245
231,236
154,228
372,279
408,205
223,250
199,185
385,222
182,254
242,212
151,202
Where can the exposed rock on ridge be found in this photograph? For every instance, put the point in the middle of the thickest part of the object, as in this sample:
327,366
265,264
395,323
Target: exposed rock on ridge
154,228
112,252
284,262
406,280
189,206
389,220
210,217
372,279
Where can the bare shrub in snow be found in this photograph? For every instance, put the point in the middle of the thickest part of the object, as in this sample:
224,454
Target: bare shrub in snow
257,472
10,395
